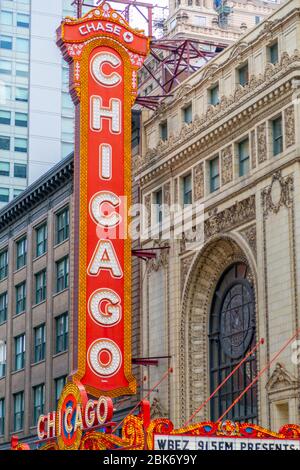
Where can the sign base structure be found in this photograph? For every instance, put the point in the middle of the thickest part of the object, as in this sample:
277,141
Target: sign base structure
81,423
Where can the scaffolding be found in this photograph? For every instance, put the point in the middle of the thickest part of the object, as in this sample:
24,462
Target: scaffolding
170,60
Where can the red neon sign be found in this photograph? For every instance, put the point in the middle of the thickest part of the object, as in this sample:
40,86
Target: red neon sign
105,54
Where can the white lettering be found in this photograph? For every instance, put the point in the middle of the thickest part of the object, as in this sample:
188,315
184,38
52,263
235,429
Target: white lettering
111,315
105,258
97,63
96,203
112,113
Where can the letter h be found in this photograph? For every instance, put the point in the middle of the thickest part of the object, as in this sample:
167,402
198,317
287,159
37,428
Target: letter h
99,112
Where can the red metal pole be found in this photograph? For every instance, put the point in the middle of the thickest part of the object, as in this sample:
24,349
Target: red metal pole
256,347
267,366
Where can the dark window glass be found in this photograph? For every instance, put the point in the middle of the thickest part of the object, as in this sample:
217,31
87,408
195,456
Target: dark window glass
62,333
18,411
21,252
4,168
277,136
3,307
20,170
214,95
62,225
158,199
244,159
188,114
4,143
20,352
41,240
39,343
60,382
6,42
20,298
232,335
243,75
3,264
2,359
187,189
62,274
38,402
5,117
163,128
214,174
40,286
2,416
273,53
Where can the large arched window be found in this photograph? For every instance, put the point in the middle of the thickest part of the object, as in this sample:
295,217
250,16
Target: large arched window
232,334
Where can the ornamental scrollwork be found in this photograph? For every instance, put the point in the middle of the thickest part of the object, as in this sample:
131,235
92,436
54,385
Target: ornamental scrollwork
278,194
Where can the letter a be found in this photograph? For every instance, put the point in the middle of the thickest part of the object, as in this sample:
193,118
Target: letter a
105,257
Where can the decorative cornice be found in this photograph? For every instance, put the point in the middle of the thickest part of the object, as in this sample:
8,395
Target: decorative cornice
273,73
40,190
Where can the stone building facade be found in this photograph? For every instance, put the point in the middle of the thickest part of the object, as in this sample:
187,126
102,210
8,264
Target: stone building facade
203,309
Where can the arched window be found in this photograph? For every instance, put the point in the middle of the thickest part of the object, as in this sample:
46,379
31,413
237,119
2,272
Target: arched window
232,334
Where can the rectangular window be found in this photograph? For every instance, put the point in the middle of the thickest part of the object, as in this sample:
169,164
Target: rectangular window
21,145
22,70
2,359
163,130
22,45
67,102
5,117
62,274
5,67
18,411
257,19
188,114
243,75
4,143
158,199
214,174
21,246
6,18
187,189
40,286
21,94
61,333
244,157
3,264
21,119
214,95
39,343
20,352
2,416
4,168
41,240
20,170
20,298
3,307
22,20
277,136
6,42
273,54
60,382
4,194
38,402
62,225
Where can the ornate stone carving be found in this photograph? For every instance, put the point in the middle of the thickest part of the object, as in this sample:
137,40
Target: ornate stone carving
278,194
227,104
161,260
262,142
280,379
199,181
249,234
167,194
148,211
227,164
157,410
241,212
289,119
253,149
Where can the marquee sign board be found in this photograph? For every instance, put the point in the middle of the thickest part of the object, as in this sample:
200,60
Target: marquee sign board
105,54
178,442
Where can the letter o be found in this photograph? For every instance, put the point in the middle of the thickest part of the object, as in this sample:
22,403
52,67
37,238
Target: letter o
104,357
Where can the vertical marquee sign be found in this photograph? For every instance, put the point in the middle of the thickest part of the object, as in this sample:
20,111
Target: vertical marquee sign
104,55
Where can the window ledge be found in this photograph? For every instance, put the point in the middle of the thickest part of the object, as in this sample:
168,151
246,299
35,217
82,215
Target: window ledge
60,353
38,362
61,243
60,292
